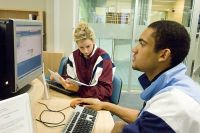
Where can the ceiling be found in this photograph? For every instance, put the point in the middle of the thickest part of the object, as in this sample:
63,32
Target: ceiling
164,5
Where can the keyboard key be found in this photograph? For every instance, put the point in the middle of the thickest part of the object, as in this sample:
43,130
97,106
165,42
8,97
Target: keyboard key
82,121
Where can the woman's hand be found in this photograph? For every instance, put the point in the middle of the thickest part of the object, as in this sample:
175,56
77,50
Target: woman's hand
51,77
68,85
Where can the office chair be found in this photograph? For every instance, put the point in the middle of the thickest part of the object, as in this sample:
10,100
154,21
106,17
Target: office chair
62,65
117,87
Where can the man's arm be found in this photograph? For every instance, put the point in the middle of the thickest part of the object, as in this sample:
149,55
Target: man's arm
128,115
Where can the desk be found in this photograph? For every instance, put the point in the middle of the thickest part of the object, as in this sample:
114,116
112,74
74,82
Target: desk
104,122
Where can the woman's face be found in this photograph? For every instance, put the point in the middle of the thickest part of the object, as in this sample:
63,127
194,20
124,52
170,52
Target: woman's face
86,47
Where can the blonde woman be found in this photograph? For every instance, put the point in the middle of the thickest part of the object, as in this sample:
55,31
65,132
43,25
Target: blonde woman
89,65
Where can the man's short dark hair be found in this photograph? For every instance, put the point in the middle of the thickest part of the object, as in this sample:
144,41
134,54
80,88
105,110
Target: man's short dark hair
172,35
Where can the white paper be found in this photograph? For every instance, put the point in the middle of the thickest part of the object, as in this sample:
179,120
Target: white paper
55,75
15,115
78,82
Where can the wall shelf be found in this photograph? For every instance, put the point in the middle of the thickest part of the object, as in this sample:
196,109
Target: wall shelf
26,14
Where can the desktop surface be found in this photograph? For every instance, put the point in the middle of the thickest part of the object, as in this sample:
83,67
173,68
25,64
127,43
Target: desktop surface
58,101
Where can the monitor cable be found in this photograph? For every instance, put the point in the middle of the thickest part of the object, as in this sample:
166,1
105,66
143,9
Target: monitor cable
51,124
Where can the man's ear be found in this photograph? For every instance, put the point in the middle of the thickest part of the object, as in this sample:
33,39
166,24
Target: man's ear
164,55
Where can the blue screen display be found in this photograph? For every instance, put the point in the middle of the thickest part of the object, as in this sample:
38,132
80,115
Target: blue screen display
28,49
28,66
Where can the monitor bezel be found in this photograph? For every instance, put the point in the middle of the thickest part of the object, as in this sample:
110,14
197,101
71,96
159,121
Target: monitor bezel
23,81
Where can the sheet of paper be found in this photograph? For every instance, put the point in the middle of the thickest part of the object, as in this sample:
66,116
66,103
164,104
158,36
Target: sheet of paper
15,115
78,82
55,75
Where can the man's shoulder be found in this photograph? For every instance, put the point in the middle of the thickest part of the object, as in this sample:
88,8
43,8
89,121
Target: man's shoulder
173,100
175,106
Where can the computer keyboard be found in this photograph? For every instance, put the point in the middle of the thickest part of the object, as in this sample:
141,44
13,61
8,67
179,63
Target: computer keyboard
82,121
58,87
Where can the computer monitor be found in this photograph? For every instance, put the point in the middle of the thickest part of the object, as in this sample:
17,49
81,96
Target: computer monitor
20,55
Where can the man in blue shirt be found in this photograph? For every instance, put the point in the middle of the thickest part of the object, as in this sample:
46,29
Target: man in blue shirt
172,99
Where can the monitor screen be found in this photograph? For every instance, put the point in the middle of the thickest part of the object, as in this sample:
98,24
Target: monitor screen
28,44
20,53
28,51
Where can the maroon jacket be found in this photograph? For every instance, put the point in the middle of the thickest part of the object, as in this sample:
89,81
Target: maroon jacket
85,72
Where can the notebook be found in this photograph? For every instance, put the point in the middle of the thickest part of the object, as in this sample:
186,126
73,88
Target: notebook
15,115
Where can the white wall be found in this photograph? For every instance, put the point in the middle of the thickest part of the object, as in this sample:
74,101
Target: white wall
23,4
49,25
60,24
64,20
59,20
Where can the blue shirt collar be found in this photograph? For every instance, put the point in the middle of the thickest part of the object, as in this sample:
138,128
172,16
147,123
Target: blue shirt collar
144,81
159,82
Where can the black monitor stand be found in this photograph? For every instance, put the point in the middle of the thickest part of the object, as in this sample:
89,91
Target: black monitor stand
5,95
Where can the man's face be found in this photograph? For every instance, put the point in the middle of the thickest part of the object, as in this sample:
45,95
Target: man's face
145,59
86,47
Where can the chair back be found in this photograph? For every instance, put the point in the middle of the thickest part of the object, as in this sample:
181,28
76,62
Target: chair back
117,86
62,65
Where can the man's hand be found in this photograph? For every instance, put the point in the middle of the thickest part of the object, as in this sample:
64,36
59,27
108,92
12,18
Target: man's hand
93,103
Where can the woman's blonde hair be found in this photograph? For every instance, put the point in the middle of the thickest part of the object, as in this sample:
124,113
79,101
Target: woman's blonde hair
83,32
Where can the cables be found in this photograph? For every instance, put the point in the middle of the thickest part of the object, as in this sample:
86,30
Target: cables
50,124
